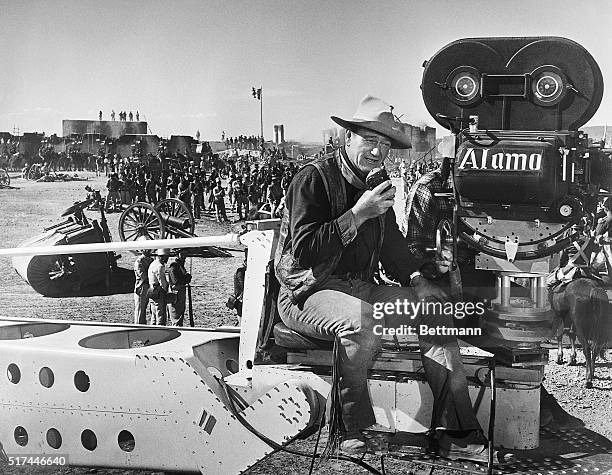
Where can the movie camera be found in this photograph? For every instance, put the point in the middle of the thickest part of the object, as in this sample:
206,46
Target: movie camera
524,176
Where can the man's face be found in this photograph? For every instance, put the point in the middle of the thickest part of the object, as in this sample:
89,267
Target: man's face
163,259
366,149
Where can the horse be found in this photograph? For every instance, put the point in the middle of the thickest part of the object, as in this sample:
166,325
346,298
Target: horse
583,304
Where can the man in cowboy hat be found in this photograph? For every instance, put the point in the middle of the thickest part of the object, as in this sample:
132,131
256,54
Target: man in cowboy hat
334,233
158,287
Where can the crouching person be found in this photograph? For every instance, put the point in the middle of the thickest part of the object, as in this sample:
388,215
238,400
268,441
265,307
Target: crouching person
334,232
158,287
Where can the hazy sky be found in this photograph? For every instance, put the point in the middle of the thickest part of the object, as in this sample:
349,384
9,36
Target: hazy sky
189,65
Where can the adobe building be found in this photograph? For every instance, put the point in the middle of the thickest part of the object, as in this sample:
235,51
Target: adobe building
138,145
110,128
29,143
182,144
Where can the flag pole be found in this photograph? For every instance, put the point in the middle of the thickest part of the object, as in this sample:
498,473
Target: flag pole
261,114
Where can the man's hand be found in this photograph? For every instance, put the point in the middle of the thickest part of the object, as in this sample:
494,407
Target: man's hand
428,291
374,203
445,260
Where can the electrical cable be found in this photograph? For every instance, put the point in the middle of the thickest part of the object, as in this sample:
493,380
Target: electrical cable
314,452
280,447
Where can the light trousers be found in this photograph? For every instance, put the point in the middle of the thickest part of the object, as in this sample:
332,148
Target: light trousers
345,308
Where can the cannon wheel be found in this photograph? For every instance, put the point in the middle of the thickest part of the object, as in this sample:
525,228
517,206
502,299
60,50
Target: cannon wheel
141,220
5,178
177,209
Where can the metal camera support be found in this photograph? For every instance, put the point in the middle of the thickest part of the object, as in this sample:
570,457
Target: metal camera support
523,175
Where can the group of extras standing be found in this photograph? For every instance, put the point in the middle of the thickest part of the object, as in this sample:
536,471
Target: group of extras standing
160,287
123,116
249,187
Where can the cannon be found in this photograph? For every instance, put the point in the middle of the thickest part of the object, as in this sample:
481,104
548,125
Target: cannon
63,275
168,219
67,275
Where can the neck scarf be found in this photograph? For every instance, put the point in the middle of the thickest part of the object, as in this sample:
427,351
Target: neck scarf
350,172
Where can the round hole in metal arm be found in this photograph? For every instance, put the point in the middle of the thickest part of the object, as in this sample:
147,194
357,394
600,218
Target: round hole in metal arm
21,436
81,381
232,366
13,373
126,441
46,377
54,438
89,439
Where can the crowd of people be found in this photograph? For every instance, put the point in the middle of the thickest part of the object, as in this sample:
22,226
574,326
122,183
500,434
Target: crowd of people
242,141
201,187
410,174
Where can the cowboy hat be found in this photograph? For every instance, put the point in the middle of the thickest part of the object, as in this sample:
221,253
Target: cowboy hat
147,252
162,252
375,114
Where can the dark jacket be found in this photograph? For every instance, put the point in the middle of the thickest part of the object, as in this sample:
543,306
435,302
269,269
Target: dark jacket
178,276
318,237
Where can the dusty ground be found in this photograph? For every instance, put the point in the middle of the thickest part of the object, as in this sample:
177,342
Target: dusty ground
24,212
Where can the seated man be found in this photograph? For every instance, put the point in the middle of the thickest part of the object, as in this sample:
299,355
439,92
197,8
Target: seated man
334,232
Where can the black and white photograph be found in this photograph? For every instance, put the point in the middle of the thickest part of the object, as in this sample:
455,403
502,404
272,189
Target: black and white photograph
305,237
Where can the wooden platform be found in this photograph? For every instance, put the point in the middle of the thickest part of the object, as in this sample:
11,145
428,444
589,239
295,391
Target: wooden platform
408,360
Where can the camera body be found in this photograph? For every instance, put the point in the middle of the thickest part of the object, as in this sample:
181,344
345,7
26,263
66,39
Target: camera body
523,172
525,178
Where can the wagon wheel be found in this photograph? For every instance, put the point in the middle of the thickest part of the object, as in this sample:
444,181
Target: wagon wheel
34,172
141,220
177,209
5,179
